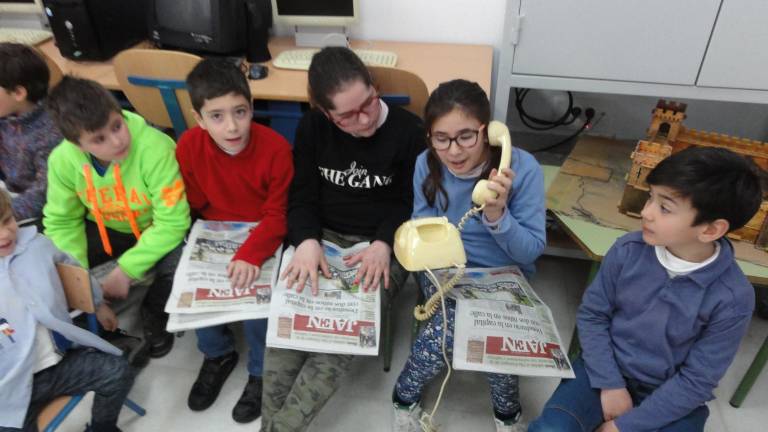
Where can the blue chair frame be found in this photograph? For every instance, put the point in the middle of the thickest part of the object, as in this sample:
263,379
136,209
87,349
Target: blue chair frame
167,89
63,343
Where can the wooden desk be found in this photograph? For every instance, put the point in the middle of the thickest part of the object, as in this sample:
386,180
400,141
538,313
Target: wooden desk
599,200
286,89
433,62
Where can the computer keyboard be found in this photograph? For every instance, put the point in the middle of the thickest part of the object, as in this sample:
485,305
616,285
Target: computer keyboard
299,59
24,35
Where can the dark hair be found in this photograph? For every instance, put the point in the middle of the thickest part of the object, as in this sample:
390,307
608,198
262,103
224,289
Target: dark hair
212,78
720,183
6,207
469,98
21,66
332,68
78,105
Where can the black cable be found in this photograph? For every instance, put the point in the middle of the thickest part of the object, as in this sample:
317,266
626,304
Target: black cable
589,113
535,123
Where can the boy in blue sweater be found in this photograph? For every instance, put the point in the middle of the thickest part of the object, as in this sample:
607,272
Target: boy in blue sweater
662,321
509,231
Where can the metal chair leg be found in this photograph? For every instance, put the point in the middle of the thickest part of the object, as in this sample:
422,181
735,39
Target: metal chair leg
574,348
386,336
135,407
751,376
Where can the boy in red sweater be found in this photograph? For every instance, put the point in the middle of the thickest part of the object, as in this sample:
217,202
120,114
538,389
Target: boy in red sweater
234,170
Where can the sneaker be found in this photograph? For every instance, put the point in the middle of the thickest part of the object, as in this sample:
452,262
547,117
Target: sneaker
407,418
512,425
209,381
160,341
248,407
134,348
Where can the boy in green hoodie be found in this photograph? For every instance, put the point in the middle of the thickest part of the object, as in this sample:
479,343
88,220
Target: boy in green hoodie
115,192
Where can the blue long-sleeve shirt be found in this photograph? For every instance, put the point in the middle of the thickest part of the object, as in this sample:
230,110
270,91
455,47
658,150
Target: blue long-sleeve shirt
678,334
519,237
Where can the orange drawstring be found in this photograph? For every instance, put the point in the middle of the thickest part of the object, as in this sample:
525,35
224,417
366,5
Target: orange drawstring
95,210
120,189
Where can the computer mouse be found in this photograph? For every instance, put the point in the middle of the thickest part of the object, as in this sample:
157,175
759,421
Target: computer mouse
257,72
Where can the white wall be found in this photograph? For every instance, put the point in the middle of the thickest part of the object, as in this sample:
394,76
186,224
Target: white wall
450,21
460,21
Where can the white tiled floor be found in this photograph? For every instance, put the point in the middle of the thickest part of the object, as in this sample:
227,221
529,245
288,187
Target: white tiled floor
363,402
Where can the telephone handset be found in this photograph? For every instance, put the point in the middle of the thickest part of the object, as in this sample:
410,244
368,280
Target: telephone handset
498,135
433,242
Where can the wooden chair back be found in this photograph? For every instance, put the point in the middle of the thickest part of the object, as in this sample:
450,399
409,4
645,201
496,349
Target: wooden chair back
393,81
156,64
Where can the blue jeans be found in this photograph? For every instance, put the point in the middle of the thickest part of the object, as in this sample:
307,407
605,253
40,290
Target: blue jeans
218,341
575,406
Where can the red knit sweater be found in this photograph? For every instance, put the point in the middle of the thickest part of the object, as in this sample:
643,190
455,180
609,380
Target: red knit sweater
249,186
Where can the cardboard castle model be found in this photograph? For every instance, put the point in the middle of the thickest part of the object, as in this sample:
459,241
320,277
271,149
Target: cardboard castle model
667,135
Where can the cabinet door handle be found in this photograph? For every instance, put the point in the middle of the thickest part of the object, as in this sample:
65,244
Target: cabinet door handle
515,22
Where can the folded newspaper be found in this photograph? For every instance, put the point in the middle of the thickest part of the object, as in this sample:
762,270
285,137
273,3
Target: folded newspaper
202,293
340,319
502,326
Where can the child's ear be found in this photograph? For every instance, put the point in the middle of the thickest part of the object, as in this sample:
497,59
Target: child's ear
714,230
198,118
19,93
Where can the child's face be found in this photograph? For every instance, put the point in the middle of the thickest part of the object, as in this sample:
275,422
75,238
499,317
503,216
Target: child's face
8,230
356,109
228,121
667,220
466,147
111,143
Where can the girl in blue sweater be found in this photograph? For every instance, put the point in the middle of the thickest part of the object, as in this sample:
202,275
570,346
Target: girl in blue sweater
509,231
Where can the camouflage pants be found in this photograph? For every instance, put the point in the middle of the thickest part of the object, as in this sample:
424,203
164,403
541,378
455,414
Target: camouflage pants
297,384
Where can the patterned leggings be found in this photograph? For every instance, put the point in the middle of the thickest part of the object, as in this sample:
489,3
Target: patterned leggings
426,361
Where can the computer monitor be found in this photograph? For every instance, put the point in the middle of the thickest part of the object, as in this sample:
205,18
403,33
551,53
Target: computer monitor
218,27
206,26
21,6
317,23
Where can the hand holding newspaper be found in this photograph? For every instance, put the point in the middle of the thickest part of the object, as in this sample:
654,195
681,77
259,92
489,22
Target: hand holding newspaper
202,293
502,326
340,319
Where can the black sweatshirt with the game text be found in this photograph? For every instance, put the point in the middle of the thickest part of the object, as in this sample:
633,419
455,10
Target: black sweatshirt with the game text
353,185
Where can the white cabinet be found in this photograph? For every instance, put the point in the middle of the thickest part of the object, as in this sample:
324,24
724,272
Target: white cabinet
738,53
700,49
627,40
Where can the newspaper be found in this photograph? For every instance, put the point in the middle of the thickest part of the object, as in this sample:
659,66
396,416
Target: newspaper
502,326
341,319
202,293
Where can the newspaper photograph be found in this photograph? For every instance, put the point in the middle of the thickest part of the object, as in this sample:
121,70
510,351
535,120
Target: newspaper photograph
340,319
502,326
201,285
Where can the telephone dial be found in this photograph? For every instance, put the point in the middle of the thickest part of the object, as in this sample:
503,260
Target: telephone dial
433,242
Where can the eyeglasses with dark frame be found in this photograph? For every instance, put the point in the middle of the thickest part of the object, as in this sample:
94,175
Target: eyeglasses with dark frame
464,139
350,117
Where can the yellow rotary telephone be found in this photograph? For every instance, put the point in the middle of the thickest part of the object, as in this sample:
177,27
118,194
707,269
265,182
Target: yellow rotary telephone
433,242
